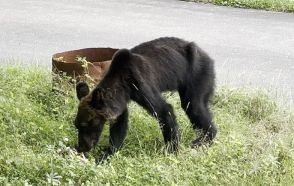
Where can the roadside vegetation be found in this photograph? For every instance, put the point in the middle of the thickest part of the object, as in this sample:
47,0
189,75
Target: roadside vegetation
255,144
274,5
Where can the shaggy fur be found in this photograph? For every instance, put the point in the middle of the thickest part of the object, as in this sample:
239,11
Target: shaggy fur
141,74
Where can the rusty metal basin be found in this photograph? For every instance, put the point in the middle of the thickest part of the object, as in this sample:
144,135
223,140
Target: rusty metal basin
99,61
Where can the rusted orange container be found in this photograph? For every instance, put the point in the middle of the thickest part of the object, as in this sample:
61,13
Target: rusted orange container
98,62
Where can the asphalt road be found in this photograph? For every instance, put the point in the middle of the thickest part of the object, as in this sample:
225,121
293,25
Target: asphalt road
249,46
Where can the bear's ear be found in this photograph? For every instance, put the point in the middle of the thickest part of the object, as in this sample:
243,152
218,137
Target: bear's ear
82,90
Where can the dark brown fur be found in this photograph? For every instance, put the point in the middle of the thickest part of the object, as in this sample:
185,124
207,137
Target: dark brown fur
141,74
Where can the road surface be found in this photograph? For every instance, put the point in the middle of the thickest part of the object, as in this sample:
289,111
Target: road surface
248,46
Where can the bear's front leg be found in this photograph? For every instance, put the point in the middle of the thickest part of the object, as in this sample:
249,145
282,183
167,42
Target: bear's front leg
169,126
118,132
152,101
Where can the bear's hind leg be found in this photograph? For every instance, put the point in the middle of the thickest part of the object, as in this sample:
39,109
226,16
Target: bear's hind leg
196,108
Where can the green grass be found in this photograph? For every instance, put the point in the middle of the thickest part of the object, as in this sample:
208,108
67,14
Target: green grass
255,144
275,5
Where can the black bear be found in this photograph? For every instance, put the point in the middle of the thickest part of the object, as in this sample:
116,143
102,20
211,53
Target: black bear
141,74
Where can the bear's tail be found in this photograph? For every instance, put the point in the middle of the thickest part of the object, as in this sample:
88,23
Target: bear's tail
198,60
192,53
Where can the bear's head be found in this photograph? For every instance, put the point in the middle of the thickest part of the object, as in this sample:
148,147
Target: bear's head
88,122
94,109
